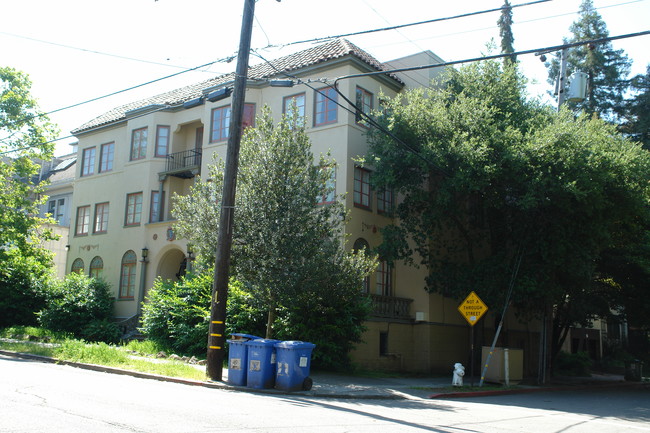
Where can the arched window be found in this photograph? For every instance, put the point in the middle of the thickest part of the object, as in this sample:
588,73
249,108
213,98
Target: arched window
96,267
77,266
359,245
127,275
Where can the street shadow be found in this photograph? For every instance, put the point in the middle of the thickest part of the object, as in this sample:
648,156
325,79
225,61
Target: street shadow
14,358
627,402
387,403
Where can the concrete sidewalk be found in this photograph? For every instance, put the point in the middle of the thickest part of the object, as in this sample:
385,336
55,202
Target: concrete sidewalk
339,386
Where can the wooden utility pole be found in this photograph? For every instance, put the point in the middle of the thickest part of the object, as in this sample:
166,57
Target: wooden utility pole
217,338
561,83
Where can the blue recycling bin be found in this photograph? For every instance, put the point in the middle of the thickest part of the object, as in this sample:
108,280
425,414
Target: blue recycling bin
238,358
294,362
261,363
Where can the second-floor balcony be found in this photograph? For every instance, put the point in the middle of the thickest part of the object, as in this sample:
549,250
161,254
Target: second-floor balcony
390,307
185,164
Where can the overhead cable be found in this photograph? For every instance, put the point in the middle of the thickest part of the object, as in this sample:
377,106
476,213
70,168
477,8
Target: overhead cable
400,26
499,56
225,59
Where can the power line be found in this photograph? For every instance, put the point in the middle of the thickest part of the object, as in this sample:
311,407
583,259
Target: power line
517,23
399,26
356,110
86,50
499,56
225,59
414,68
5,152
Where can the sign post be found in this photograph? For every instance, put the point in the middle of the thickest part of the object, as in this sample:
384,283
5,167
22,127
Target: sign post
472,309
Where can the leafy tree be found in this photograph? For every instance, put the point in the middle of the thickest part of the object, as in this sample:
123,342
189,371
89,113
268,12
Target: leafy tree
82,306
287,250
505,31
498,177
286,244
636,110
24,264
606,68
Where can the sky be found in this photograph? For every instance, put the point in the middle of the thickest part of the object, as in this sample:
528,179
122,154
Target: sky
78,50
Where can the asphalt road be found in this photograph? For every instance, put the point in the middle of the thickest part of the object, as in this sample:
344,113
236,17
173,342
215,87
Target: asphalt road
41,397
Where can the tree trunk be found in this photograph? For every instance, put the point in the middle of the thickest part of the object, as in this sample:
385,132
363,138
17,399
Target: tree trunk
269,321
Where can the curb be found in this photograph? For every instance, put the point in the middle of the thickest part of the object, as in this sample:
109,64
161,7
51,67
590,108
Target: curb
395,395
579,387
205,384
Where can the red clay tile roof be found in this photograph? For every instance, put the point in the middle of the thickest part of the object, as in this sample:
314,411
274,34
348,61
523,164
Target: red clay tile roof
336,49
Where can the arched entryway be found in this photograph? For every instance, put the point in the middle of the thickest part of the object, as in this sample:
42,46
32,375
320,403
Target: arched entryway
171,265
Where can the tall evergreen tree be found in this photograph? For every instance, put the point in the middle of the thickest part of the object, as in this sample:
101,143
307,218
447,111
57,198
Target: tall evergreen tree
606,68
636,111
505,31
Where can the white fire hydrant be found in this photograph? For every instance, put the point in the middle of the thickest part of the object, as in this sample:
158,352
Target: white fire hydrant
459,372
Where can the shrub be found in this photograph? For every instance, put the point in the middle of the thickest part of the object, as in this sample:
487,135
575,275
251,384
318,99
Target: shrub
333,324
81,306
23,284
176,314
101,330
573,364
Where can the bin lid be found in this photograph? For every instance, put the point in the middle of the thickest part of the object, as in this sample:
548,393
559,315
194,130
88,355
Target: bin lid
262,342
295,345
238,336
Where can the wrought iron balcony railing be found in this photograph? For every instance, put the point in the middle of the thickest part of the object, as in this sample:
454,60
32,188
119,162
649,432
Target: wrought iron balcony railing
184,164
390,307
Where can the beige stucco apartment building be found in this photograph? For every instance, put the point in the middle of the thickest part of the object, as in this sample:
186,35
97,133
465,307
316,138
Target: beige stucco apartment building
132,160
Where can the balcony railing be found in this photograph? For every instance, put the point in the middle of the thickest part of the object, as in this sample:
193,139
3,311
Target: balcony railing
390,307
183,164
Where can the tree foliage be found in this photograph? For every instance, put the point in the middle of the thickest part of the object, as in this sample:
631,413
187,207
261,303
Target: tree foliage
177,313
81,306
505,31
24,136
636,110
606,68
288,252
498,177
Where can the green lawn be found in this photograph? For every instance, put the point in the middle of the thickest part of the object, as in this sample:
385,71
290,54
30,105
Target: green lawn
133,356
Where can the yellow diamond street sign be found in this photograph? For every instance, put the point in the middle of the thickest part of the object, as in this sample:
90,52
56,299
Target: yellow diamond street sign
472,308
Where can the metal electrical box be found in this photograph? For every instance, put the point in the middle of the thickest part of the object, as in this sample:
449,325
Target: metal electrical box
496,372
